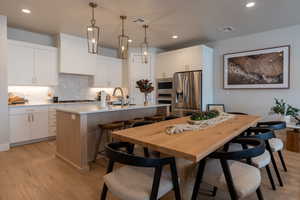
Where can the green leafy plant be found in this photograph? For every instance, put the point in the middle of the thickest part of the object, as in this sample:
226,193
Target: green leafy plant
199,116
282,108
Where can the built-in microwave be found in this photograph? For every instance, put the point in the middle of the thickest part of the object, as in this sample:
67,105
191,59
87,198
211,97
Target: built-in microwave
165,93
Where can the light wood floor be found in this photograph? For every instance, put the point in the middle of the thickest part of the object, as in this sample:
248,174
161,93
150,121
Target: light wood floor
32,172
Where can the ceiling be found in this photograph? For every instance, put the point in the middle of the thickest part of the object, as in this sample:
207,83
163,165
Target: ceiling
191,20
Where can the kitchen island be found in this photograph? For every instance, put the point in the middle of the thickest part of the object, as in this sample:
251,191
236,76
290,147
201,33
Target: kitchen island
78,131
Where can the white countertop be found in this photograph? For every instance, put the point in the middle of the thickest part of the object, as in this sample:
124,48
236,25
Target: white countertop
33,104
90,109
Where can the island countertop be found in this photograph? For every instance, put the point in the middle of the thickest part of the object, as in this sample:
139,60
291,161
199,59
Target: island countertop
91,109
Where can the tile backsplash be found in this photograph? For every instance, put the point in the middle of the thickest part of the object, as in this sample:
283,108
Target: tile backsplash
70,87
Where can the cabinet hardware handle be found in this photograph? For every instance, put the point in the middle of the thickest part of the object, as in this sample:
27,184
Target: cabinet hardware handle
28,117
32,117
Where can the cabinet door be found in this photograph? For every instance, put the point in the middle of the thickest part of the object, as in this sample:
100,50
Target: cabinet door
19,125
101,75
39,124
46,65
20,64
114,72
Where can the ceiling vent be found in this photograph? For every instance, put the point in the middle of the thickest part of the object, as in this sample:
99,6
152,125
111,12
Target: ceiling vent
138,20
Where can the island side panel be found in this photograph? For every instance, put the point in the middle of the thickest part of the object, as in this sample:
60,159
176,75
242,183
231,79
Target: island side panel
95,119
71,139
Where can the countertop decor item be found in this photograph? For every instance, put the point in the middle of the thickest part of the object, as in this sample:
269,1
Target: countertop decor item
145,87
258,69
286,111
93,32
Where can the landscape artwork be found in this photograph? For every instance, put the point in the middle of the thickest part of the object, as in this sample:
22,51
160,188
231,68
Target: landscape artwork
263,69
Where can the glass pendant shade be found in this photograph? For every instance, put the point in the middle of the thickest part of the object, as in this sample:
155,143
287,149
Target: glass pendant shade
145,48
145,53
93,39
123,42
93,32
123,46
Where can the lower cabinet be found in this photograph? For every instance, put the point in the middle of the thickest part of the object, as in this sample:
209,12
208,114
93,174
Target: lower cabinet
28,124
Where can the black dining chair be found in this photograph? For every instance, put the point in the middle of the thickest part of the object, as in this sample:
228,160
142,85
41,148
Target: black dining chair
266,135
140,178
225,171
276,144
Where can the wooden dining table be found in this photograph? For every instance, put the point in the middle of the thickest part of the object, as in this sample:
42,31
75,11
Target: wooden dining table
190,146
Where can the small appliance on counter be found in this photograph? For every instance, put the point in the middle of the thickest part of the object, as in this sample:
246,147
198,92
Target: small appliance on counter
14,99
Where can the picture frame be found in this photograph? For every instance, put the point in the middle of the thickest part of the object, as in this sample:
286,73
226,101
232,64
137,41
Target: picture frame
267,68
218,107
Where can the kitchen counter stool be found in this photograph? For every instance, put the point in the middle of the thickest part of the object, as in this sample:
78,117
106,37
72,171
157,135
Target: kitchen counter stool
155,118
107,129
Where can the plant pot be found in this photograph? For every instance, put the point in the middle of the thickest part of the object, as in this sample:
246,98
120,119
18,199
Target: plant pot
286,118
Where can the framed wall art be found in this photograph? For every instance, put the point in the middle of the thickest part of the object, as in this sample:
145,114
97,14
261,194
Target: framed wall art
258,69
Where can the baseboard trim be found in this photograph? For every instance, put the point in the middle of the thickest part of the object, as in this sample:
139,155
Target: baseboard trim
4,147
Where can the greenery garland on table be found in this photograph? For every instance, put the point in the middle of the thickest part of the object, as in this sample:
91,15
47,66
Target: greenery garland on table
200,116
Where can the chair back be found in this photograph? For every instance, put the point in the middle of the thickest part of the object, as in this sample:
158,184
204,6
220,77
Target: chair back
237,113
257,147
120,152
260,133
142,123
274,125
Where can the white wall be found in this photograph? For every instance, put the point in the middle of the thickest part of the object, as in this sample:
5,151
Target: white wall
4,133
258,101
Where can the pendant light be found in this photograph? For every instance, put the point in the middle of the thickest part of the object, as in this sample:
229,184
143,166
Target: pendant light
123,41
93,32
145,48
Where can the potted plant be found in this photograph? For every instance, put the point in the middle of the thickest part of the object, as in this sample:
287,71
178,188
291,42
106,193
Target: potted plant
285,110
145,87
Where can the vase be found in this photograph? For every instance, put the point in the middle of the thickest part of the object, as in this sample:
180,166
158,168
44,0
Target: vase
286,118
146,99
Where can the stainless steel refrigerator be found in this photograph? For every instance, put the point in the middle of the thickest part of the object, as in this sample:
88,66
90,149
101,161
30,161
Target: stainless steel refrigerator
188,91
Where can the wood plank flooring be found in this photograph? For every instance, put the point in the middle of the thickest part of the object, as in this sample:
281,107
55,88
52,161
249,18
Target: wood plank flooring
32,172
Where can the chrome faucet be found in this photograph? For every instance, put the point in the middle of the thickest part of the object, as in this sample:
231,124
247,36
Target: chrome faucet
122,94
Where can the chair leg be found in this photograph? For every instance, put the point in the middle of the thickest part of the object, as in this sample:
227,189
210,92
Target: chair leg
270,177
104,192
146,152
276,169
282,160
259,194
98,142
198,180
215,190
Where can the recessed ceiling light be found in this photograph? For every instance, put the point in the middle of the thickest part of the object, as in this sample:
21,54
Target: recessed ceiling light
175,37
250,4
27,11
130,40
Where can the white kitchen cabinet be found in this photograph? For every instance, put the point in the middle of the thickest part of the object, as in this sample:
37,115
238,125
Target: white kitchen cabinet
74,56
31,64
108,72
20,64
187,59
19,125
46,67
28,124
39,124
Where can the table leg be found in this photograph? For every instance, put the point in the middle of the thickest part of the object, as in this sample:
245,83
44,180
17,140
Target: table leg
199,177
292,141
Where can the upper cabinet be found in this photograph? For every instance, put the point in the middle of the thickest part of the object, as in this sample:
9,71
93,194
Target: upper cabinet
108,72
74,56
31,64
187,59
